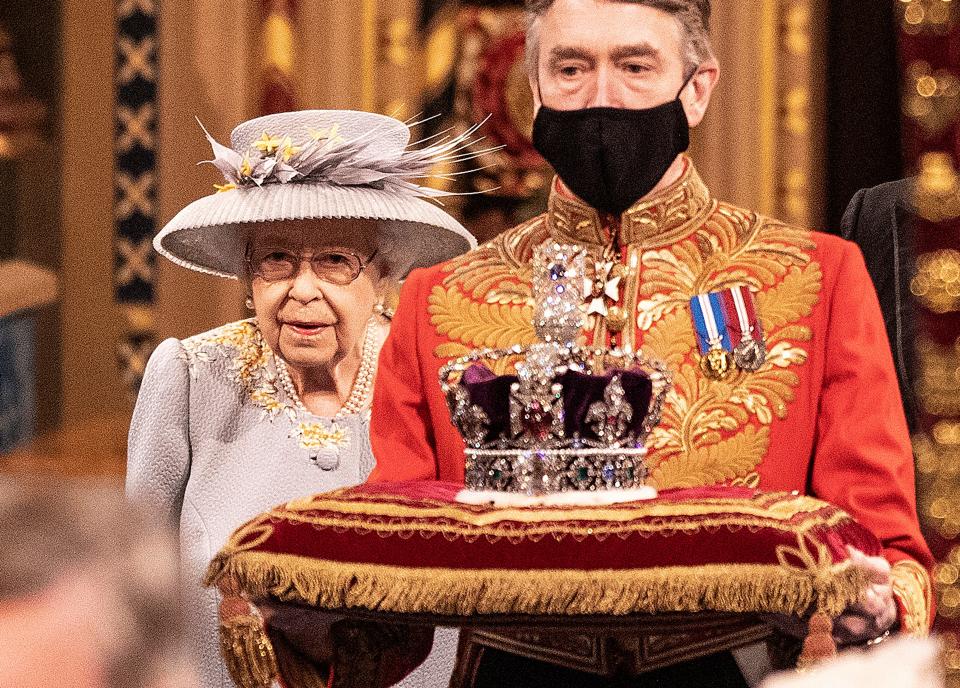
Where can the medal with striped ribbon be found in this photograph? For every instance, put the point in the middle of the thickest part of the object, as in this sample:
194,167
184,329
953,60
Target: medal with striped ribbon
750,351
710,323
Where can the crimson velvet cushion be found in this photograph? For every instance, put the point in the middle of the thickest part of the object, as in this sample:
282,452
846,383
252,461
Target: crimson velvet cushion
411,549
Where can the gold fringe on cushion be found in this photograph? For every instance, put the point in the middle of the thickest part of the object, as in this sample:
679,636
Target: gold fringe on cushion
248,652
739,588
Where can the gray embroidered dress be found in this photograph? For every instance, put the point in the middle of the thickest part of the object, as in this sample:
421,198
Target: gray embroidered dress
214,442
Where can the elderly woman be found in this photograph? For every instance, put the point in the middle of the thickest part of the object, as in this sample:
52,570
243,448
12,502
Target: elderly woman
320,221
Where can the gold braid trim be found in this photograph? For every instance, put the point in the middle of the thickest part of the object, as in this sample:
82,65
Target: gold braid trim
248,652
783,588
911,585
599,530
774,510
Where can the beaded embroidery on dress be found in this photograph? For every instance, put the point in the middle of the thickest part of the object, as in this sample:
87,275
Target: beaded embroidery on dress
262,376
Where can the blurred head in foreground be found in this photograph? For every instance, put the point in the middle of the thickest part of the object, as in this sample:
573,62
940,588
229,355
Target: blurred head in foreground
898,663
88,591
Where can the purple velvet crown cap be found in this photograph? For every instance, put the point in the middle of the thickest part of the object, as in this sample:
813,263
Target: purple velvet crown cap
491,393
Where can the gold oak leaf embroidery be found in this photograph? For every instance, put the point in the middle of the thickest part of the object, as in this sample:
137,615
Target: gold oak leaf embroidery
500,264
714,463
479,325
712,431
791,299
486,300
670,341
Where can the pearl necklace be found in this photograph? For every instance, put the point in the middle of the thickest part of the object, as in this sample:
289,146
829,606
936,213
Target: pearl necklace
362,384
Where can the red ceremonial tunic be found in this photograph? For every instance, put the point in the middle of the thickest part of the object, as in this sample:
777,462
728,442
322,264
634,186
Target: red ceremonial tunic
822,416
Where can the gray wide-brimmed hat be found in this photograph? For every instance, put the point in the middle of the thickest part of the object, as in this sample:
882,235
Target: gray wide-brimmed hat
322,164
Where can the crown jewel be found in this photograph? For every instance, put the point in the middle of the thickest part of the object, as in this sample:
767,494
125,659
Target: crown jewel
571,418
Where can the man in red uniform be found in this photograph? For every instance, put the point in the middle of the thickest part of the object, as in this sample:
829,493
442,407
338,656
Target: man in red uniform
783,377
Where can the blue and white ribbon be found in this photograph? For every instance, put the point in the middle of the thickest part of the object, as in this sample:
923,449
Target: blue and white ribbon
710,322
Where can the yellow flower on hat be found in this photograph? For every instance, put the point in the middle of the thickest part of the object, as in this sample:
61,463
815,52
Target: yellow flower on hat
287,149
329,134
268,144
321,164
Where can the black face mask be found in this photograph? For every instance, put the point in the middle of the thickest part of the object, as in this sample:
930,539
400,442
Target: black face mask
611,157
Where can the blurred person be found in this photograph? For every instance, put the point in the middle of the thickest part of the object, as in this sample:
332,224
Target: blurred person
319,221
898,663
88,591
880,221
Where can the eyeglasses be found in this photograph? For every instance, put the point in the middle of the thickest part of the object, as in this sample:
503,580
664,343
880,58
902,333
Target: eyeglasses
337,266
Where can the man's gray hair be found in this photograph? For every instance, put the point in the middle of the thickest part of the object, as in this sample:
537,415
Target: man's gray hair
693,16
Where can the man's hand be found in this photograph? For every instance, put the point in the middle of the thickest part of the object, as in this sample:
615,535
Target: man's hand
876,612
870,618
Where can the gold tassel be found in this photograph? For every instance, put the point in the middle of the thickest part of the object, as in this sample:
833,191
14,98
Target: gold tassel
819,644
248,652
728,588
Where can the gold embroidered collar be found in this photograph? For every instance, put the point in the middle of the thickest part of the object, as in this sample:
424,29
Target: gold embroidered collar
668,216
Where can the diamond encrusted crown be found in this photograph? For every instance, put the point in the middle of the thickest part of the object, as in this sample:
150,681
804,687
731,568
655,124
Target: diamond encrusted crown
571,418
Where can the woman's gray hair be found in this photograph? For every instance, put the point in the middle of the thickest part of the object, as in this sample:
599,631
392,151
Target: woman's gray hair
693,16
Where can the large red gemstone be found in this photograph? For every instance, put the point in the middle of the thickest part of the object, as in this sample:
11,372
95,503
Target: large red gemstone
538,422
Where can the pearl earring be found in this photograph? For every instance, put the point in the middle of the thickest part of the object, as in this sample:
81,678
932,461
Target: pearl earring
249,303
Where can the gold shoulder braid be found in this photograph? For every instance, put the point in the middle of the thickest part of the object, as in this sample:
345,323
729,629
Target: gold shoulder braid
911,585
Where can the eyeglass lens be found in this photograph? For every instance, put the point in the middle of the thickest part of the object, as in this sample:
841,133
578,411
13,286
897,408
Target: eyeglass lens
336,267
